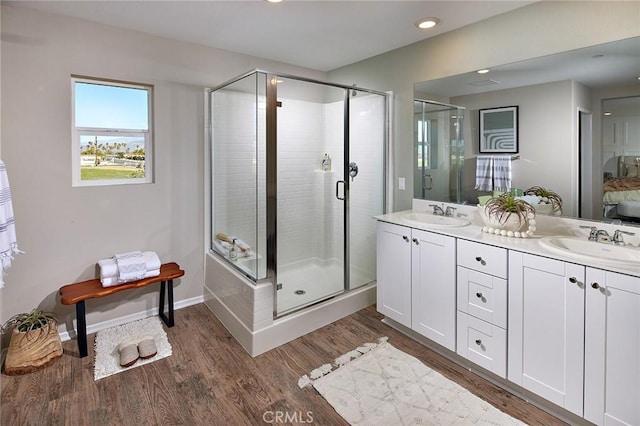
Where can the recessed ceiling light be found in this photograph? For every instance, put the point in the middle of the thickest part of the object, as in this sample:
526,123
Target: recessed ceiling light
484,71
425,23
274,1
607,113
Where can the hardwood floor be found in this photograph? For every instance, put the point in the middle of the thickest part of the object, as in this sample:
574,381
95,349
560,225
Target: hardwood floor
211,380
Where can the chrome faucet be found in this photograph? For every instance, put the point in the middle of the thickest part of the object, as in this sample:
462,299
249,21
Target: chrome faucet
449,211
437,210
593,234
617,237
597,235
602,236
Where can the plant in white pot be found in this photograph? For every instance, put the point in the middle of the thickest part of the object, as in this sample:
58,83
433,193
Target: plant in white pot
549,202
508,216
34,343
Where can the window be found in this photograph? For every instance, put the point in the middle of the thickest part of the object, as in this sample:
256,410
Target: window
112,132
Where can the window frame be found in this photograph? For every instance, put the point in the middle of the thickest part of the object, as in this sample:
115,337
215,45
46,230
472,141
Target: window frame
78,132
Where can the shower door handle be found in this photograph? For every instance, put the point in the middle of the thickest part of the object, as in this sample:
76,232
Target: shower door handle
338,190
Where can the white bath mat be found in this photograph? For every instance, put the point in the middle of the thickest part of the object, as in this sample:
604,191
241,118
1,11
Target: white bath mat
385,386
107,357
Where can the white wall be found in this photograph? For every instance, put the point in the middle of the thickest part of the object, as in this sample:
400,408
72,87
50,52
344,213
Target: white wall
539,29
65,230
541,147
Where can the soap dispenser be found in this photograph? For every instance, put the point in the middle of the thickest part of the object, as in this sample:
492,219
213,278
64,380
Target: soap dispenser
233,252
326,163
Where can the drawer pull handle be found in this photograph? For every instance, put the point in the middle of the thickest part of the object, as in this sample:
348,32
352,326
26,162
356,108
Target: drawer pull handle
415,240
479,295
404,237
478,342
481,260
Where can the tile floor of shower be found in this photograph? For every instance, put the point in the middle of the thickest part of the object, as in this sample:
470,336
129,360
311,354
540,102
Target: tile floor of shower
313,280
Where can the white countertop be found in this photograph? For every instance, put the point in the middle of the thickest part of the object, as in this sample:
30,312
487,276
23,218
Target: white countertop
546,226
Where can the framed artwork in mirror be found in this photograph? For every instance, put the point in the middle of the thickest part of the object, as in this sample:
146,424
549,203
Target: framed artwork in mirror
499,130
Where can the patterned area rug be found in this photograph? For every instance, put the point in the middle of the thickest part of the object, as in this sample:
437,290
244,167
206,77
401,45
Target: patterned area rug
107,361
377,384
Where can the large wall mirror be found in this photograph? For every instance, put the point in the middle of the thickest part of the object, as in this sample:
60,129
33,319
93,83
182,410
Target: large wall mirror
566,143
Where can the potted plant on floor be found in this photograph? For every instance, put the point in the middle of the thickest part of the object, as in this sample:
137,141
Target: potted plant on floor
34,343
509,216
549,201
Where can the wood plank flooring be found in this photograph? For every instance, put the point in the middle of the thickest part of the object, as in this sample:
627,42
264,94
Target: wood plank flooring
211,380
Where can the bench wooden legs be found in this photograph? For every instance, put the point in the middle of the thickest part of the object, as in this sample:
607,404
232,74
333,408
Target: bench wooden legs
81,320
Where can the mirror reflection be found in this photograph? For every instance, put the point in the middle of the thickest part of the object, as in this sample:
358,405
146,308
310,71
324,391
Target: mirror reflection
565,142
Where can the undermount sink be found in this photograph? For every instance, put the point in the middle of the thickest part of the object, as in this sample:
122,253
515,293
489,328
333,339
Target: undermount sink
427,219
581,248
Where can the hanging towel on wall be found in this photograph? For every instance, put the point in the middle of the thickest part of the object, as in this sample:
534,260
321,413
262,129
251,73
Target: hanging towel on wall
8,241
484,173
502,173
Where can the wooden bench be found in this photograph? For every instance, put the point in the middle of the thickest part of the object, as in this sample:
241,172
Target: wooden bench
77,293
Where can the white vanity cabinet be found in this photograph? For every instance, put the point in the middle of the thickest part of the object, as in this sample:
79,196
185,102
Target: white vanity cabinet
393,269
433,274
482,305
546,328
612,348
416,281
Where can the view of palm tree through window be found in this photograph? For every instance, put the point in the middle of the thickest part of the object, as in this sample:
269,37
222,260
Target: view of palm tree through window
112,129
104,157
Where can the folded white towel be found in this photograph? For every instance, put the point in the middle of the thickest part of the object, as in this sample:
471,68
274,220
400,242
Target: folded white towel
502,173
113,281
131,266
109,267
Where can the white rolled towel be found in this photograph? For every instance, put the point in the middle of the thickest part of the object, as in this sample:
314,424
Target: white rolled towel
113,281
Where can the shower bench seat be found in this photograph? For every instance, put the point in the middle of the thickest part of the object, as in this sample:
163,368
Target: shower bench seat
77,293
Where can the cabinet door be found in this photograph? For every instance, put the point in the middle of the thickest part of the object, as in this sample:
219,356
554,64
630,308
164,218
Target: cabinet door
546,328
612,349
394,272
434,287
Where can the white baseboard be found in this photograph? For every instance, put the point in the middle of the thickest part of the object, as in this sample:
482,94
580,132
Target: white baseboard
92,328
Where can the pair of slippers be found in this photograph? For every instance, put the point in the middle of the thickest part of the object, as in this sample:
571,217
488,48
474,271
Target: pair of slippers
135,348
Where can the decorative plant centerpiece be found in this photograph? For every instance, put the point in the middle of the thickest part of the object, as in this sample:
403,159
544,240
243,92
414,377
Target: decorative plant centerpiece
549,201
508,216
34,344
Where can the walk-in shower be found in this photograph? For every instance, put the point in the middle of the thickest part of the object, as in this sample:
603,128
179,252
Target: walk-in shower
297,172
438,150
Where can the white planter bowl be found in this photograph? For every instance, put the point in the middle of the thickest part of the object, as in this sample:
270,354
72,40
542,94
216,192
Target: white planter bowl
512,223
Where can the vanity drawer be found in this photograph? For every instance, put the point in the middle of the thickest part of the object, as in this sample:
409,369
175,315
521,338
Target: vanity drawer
483,258
482,343
482,296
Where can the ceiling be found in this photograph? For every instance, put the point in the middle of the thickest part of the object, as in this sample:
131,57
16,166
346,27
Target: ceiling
598,67
317,34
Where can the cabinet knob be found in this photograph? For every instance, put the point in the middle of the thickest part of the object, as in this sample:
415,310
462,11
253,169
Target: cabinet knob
481,260
404,237
479,295
415,240
478,342
596,286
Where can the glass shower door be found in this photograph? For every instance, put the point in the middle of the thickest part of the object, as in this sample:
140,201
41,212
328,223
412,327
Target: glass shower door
310,195
366,180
